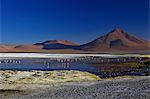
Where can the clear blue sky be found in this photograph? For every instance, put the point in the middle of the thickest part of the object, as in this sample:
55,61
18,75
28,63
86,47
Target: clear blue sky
31,21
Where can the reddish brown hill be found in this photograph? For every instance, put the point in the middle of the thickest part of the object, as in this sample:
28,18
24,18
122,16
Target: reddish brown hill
40,47
64,42
19,48
116,40
57,44
27,48
4,48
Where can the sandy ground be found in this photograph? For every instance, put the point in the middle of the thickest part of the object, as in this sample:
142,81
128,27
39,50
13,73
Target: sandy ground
118,88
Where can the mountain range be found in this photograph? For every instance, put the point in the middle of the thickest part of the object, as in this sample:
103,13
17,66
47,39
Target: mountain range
116,41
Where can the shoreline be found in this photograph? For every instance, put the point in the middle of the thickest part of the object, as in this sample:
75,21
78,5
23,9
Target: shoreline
45,77
45,55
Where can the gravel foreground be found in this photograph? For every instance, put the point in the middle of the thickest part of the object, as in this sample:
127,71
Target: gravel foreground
118,88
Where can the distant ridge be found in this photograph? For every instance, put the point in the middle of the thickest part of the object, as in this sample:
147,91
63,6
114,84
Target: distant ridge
57,44
65,42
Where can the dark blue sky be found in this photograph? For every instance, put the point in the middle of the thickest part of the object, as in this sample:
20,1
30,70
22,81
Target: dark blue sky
30,21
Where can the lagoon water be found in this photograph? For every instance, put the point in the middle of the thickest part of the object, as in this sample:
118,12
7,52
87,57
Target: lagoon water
98,69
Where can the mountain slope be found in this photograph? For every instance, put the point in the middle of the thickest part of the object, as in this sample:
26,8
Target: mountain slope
65,42
27,48
57,44
116,40
6,48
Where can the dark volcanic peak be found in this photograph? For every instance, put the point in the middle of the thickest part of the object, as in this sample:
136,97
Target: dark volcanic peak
117,30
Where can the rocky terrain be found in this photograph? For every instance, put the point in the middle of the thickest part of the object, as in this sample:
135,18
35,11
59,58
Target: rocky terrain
116,88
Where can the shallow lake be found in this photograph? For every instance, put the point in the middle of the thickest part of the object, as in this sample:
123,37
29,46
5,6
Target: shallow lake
98,69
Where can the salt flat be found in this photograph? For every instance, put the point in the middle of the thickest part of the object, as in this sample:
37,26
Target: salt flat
43,55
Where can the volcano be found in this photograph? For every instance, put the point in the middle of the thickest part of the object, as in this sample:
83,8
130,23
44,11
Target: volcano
116,40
